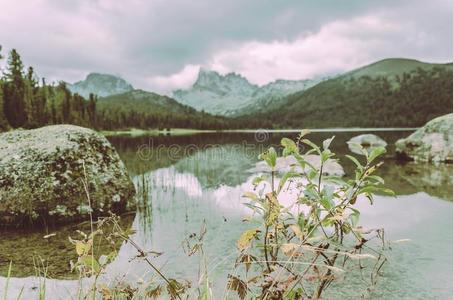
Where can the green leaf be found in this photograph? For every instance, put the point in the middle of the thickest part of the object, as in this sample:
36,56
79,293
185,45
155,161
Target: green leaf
312,174
91,263
254,207
257,180
325,203
246,238
377,179
270,157
368,189
290,146
312,145
303,133
387,191
325,155
355,161
310,193
301,221
354,217
376,152
82,248
250,195
285,178
327,198
335,180
328,192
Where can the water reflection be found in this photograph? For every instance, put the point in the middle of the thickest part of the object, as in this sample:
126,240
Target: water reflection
223,159
410,178
207,186
205,183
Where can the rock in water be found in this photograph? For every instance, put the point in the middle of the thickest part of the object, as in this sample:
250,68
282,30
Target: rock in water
367,141
431,143
42,175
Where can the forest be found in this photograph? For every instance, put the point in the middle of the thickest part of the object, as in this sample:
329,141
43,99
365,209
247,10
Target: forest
29,102
407,100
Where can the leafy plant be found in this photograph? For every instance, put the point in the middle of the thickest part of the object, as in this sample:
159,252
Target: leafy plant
297,251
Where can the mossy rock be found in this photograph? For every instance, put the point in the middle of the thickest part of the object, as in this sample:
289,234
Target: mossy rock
45,175
431,143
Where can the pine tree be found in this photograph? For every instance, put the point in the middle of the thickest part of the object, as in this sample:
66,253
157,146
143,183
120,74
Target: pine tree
14,91
3,122
92,110
29,98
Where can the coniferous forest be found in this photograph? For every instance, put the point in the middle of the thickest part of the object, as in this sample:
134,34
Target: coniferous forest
407,100
29,102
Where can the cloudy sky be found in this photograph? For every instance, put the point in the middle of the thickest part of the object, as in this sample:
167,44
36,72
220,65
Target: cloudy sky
161,44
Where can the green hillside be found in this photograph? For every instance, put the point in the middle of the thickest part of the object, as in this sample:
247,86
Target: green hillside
392,67
141,109
389,93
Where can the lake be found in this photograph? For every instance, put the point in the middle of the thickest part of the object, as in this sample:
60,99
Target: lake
199,178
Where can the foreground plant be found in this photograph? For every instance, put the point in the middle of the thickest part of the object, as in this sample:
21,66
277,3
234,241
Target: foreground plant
90,266
294,251
297,251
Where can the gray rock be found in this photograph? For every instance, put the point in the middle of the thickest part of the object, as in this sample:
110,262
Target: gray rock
431,143
42,174
367,141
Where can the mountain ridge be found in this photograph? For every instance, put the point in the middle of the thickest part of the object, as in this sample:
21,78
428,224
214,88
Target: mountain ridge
387,93
230,93
100,84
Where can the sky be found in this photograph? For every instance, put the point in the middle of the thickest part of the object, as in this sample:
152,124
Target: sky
160,45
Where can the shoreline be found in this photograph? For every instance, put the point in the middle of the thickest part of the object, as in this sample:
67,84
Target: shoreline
189,131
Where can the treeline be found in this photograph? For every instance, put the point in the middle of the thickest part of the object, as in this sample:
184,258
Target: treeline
141,109
29,102
409,100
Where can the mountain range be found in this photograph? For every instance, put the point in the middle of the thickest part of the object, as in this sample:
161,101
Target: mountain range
232,94
391,92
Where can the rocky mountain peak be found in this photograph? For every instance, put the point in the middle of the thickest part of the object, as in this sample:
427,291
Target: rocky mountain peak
227,94
100,84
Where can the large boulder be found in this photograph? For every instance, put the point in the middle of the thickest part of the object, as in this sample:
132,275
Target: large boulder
431,143
43,171
366,141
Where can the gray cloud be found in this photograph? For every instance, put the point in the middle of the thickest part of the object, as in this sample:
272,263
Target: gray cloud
159,44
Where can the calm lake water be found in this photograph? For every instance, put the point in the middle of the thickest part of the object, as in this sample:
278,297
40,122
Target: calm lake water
201,177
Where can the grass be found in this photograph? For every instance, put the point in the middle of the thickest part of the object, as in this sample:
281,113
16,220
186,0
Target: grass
7,281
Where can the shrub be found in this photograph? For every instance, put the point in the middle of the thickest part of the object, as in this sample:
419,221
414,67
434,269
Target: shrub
296,252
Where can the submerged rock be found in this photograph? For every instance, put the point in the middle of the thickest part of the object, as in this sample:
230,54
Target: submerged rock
367,141
42,175
431,143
